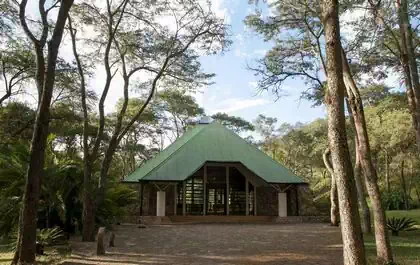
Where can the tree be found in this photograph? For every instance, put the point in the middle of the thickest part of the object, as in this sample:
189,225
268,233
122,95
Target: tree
399,47
383,245
45,78
353,248
236,124
334,212
266,126
17,63
301,56
180,107
168,55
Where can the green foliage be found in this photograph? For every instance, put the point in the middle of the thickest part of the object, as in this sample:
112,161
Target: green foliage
236,124
393,200
119,198
13,165
50,236
397,225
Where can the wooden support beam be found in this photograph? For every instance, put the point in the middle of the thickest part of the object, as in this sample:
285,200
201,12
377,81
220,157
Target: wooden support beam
297,200
141,195
255,200
184,203
227,190
205,191
246,197
175,198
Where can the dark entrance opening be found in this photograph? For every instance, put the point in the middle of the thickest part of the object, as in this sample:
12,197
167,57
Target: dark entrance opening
217,194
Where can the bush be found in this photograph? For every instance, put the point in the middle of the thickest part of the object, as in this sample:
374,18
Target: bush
50,236
119,197
393,200
400,224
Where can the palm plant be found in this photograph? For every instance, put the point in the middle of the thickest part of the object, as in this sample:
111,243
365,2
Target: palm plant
49,236
397,225
13,164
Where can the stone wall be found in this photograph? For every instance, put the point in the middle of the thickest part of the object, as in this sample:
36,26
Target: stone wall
267,204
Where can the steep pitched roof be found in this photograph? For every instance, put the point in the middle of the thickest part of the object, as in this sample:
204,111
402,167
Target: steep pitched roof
210,142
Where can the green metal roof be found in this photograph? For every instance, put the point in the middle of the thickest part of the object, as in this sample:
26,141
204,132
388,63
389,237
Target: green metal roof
210,143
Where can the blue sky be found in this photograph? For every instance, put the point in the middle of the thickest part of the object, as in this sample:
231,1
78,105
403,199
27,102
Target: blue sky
234,90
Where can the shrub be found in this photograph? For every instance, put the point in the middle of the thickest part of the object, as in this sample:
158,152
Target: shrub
393,200
50,236
400,224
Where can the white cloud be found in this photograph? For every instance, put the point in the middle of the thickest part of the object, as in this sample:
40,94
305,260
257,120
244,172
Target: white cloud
236,104
260,52
253,84
220,9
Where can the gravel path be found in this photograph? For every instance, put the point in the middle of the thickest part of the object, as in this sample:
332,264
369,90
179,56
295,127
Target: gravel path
202,244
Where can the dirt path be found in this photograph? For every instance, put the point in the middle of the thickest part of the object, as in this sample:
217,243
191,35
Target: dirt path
201,244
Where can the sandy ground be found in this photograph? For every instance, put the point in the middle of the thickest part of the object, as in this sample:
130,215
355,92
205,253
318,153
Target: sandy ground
201,244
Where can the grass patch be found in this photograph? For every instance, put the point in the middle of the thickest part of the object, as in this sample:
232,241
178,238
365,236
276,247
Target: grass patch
406,246
53,255
413,214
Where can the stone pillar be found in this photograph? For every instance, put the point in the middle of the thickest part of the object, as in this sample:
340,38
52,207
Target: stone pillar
282,197
227,190
246,197
184,203
160,203
205,191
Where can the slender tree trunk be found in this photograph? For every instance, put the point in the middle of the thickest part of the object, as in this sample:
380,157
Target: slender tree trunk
388,185
358,178
335,214
409,66
364,208
89,210
383,246
408,34
410,182
353,248
88,214
27,247
404,186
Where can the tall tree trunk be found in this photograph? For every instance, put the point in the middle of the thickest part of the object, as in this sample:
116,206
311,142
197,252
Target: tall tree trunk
27,244
383,246
409,64
335,214
404,186
388,185
88,214
358,178
364,208
353,248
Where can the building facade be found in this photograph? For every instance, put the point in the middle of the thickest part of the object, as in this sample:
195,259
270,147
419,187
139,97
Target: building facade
212,171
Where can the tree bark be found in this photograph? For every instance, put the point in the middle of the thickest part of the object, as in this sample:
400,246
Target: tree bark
27,244
88,214
404,186
353,248
335,214
364,208
388,185
383,246
358,178
409,64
